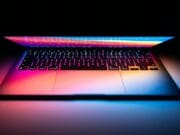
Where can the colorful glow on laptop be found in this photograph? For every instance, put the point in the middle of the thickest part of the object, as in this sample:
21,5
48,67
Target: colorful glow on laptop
74,41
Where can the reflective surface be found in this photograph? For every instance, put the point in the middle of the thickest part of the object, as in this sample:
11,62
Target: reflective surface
90,117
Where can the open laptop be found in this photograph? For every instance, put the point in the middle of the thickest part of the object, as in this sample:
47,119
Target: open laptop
92,65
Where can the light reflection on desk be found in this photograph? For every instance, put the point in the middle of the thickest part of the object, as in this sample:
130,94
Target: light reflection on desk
89,117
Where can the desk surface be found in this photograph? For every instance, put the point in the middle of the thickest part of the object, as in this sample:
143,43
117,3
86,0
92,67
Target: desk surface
89,117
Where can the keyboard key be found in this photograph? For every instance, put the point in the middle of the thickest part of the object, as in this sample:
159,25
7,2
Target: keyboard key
134,68
53,67
42,68
22,67
155,68
32,67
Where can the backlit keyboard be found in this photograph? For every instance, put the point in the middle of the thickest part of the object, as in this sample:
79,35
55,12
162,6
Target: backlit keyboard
87,59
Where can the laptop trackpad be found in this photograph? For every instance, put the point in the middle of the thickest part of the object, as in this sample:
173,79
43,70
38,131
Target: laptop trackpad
148,83
88,82
29,82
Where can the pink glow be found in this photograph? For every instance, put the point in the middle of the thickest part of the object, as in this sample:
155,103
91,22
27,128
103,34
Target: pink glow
63,82
29,82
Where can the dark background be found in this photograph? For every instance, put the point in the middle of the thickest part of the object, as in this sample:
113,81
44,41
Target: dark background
89,18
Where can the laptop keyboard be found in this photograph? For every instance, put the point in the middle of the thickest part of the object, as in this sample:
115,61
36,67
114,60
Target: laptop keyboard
88,59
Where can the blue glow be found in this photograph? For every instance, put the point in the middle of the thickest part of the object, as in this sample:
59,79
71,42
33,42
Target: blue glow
159,39
27,117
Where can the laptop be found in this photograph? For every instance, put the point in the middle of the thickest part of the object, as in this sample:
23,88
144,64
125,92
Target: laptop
86,65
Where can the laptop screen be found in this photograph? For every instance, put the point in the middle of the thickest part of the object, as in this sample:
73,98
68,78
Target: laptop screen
87,41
